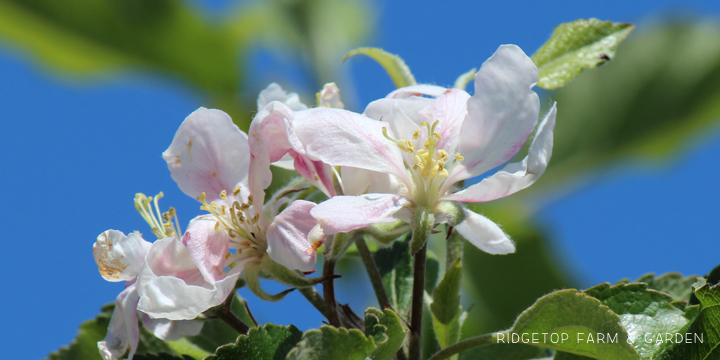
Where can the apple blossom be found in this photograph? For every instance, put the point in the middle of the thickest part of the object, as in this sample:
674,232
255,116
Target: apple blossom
431,138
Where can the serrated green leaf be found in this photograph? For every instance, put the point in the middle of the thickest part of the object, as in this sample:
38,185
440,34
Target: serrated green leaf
387,330
642,311
446,297
576,46
330,343
700,338
267,342
162,356
582,318
432,271
677,286
84,346
448,334
567,356
216,332
395,66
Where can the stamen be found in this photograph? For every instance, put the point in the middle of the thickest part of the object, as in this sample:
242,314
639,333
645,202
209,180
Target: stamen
459,157
404,145
416,134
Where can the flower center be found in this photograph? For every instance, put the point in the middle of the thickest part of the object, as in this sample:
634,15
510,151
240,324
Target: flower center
431,165
161,224
240,221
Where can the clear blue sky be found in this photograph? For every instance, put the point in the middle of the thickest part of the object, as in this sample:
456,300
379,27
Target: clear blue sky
74,154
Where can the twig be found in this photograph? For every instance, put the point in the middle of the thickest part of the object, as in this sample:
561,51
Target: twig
417,304
329,292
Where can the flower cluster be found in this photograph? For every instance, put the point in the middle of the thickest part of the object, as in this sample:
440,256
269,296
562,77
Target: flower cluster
399,162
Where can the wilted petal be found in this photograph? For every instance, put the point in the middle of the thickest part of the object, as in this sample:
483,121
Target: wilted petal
287,237
119,257
171,286
276,93
450,109
342,214
330,97
123,331
207,247
501,114
348,139
171,330
485,234
208,154
516,176
417,90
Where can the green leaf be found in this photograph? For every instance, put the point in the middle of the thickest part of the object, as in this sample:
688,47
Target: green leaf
395,66
673,284
330,343
448,334
85,344
267,342
446,297
395,265
567,356
216,332
584,319
642,311
505,352
162,356
576,46
387,330
701,338
84,37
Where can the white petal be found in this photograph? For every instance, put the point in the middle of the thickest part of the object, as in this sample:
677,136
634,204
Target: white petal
171,286
119,257
286,162
450,110
207,247
516,176
171,330
287,237
485,234
380,109
342,214
501,114
417,90
330,97
276,93
123,331
348,139
208,154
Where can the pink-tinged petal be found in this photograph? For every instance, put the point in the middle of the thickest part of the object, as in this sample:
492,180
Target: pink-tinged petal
348,139
516,176
120,257
347,213
450,109
287,237
207,247
360,181
286,162
208,154
417,90
501,114
276,93
330,97
171,330
123,331
171,286
381,109
317,172
269,142
485,234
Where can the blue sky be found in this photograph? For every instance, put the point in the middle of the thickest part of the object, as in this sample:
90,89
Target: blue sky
74,154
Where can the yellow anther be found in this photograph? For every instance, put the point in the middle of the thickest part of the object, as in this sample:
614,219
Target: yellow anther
223,209
250,200
223,195
416,134
237,190
459,157
443,155
437,135
443,173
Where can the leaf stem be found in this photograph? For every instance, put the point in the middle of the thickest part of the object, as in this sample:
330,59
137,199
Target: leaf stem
315,299
225,314
373,273
329,286
416,314
464,345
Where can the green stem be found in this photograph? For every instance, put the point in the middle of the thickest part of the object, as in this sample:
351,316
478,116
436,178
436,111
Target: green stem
465,345
454,247
373,272
416,314
315,299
